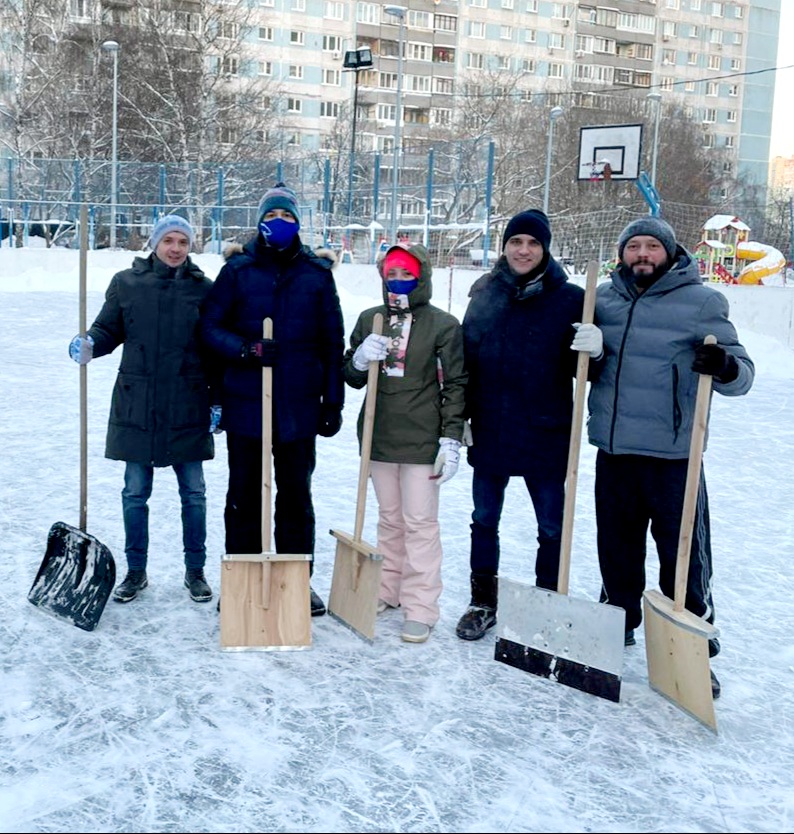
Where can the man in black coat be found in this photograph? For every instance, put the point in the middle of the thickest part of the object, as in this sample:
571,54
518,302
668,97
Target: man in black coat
517,332
275,276
160,408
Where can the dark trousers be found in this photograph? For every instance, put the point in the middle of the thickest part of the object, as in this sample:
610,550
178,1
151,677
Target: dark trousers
293,466
546,487
631,493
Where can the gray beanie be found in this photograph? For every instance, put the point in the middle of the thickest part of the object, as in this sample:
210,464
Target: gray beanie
170,223
654,227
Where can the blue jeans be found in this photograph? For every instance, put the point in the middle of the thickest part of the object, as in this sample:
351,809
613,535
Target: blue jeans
547,492
138,480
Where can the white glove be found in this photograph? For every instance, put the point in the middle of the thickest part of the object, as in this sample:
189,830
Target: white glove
81,349
588,337
372,349
447,460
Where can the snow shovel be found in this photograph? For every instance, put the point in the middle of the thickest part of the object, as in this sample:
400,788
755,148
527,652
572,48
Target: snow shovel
357,567
78,572
575,642
265,596
676,640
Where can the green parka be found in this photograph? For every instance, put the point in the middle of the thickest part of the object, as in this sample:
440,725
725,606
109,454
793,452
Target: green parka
413,411
159,411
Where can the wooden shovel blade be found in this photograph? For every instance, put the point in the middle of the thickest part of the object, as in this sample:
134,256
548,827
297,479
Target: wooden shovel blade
575,642
75,578
677,648
265,602
355,585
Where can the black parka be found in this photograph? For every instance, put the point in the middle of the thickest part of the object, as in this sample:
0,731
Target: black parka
159,411
521,367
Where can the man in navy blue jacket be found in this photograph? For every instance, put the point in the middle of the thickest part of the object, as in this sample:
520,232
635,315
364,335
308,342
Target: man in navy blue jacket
275,276
518,330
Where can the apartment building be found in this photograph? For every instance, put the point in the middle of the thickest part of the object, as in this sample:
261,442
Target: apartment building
715,58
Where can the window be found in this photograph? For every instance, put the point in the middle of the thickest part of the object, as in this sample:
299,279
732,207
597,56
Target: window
294,105
228,30
265,33
445,23
296,38
385,112
440,116
229,135
730,142
329,109
710,115
715,36
668,57
419,20
528,65
730,116
708,140
334,11
692,58
503,62
387,80
738,11
79,8
368,13
556,40
738,38
480,4
667,84
717,10
532,6
230,65
712,88
266,68
332,77
268,3
555,70
332,43
417,83
419,52
736,64
506,33
297,5
443,55
733,90
474,60
714,62
671,4
689,87
694,5
530,36
186,22
694,31
295,71
476,29
445,86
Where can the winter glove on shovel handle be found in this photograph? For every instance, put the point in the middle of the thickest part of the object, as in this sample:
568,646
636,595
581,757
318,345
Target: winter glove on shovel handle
447,460
715,361
588,338
373,349
81,349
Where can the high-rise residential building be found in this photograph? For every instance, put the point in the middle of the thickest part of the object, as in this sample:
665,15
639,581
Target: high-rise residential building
715,57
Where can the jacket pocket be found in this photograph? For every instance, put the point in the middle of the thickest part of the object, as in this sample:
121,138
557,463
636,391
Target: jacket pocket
130,404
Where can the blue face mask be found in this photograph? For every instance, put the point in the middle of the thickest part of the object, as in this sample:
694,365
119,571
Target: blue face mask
400,287
278,233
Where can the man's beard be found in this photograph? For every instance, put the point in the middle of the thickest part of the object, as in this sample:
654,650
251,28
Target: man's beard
643,280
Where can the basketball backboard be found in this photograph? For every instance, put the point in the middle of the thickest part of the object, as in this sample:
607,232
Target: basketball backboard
610,152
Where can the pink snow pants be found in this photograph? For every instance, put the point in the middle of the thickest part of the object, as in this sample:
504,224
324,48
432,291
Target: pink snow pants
409,538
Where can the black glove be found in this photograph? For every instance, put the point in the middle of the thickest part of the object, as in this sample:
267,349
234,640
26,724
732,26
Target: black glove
330,420
715,361
264,351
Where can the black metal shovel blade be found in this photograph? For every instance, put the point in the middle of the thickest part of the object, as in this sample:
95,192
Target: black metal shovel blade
76,577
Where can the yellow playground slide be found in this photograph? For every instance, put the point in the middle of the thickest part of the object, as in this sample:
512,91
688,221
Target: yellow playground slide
765,262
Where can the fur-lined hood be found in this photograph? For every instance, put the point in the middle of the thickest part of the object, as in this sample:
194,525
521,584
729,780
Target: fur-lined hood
321,252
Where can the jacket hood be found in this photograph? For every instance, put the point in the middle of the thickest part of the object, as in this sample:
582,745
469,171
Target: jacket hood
424,290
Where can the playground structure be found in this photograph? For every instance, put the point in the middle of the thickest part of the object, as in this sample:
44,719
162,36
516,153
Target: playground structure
725,254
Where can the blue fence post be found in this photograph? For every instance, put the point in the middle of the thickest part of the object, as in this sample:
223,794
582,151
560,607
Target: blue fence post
326,198
162,189
488,197
429,198
375,198
77,192
218,225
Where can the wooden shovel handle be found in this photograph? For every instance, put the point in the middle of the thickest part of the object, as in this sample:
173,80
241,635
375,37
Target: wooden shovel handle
267,441
366,434
83,371
699,423
572,475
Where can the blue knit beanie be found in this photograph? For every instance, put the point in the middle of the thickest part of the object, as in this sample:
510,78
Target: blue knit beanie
280,197
170,223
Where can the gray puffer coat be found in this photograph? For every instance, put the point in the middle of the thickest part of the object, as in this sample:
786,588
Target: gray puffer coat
643,400
159,411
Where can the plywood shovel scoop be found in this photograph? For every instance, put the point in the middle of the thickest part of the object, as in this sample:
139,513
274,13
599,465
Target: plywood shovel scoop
265,596
357,567
676,640
575,642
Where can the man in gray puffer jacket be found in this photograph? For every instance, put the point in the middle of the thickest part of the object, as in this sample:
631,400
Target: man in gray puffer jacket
654,315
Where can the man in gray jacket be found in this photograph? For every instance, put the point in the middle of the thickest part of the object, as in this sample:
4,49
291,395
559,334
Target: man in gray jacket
653,316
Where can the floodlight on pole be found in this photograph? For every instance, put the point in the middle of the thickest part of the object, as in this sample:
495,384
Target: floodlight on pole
400,12
355,60
657,99
554,114
113,47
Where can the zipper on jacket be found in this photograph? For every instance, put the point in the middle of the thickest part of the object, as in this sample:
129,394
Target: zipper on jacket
617,376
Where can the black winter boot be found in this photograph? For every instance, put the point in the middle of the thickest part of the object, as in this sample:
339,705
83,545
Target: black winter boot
197,585
481,613
134,581
317,605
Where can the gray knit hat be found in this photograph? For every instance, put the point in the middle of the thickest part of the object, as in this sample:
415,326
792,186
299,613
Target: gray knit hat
280,196
170,223
654,227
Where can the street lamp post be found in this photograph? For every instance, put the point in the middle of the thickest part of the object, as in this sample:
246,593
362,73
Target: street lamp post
400,12
113,48
555,114
356,60
657,99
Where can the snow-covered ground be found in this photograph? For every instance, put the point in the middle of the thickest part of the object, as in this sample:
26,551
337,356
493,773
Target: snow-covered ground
146,725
